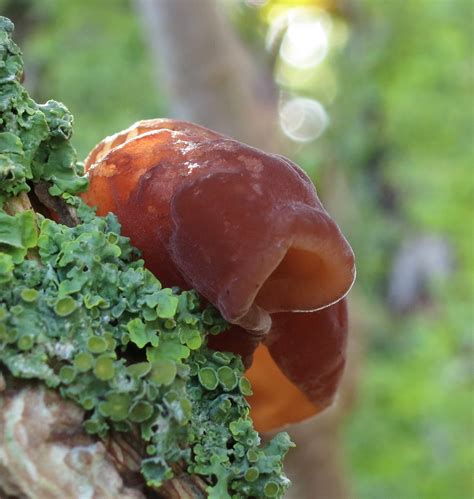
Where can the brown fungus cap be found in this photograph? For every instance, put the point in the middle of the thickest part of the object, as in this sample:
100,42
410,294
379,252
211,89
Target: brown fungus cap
244,228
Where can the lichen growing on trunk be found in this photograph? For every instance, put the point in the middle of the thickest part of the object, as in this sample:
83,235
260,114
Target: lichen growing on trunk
80,313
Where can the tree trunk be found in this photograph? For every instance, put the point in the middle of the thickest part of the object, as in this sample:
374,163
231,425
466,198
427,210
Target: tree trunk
213,80
210,77
45,453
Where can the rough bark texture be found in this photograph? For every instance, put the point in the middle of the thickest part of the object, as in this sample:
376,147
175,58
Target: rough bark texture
45,454
213,80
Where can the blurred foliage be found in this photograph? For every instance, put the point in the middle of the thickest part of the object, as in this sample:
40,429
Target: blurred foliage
397,86
90,55
407,125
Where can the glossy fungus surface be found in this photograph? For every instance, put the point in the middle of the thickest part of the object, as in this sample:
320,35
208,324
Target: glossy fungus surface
244,228
297,372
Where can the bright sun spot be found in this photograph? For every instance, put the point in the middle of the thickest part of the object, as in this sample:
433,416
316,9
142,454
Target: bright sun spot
306,41
303,120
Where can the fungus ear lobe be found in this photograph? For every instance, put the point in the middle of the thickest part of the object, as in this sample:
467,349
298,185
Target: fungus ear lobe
310,350
276,402
296,374
253,255
225,240
316,270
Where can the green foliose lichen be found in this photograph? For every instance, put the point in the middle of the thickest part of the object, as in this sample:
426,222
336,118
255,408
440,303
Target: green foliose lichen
88,319
34,138
80,312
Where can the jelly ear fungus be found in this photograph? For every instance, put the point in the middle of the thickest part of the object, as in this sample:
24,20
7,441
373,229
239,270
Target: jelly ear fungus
247,231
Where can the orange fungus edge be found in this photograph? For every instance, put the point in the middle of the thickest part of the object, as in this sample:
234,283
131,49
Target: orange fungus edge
276,401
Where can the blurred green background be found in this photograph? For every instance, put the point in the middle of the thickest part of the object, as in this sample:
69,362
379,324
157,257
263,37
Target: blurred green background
377,100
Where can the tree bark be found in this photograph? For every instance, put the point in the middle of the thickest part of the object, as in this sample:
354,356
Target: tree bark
45,453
